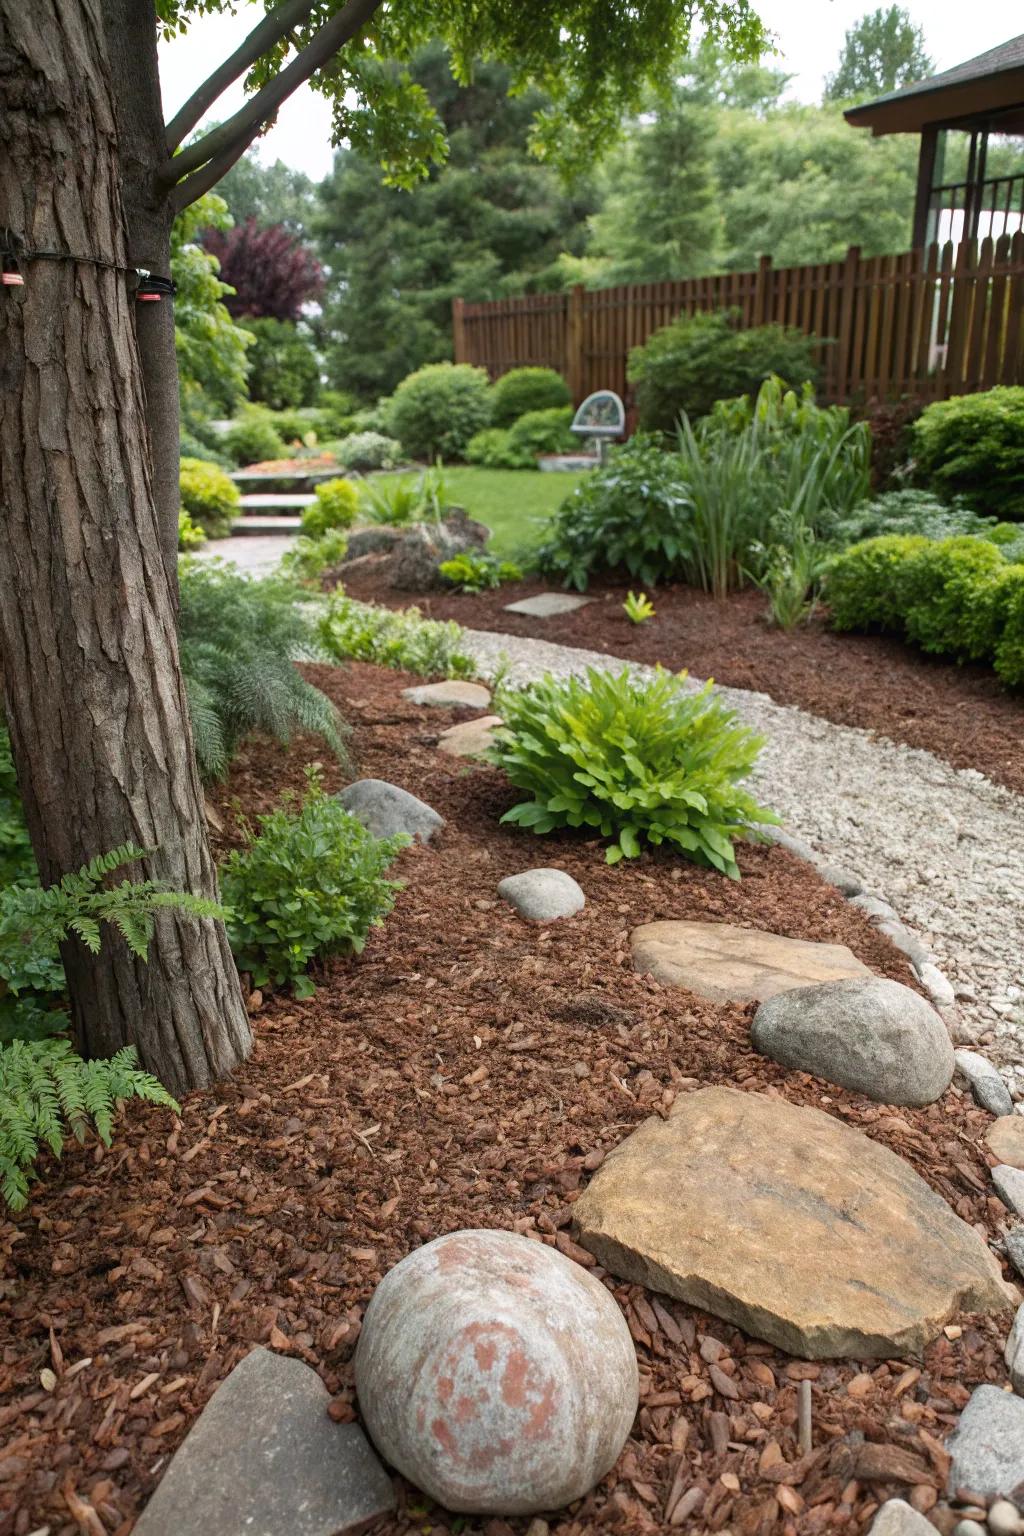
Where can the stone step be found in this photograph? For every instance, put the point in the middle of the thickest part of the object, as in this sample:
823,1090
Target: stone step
251,525
268,499
250,476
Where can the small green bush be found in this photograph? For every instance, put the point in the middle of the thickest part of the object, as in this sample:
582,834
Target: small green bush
336,506
867,585
208,496
192,447
284,370
699,359
435,411
974,444
307,558
399,638
1007,600
311,883
946,592
190,534
478,572
253,439
366,451
540,432
634,760
527,389
492,448
335,409
908,511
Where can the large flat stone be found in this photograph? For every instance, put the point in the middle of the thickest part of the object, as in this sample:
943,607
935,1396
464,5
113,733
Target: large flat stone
987,1447
788,1223
264,1459
736,965
470,738
547,605
449,694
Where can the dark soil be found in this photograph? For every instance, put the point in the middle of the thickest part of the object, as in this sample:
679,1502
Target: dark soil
962,714
469,1070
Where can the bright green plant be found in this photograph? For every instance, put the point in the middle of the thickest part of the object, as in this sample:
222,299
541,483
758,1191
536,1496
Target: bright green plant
394,501
48,1092
542,432
253,439
472,572
492,448
208,496
1007,599
910,511
310,883
866,585
638,608
336,506
974,444
527,389
791,574
436,411
190,534
365,451
306,559
636,761
946,591
399,638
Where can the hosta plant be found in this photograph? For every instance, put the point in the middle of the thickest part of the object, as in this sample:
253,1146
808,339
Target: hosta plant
473,572
636,760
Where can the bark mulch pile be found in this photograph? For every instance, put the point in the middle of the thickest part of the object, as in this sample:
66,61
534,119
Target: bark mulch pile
962,714
470,1070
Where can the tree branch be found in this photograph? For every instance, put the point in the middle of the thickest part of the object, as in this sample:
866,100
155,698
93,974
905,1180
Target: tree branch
193,187
275,26
247,121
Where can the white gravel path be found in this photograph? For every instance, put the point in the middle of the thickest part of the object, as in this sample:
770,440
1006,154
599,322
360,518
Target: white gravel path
943,845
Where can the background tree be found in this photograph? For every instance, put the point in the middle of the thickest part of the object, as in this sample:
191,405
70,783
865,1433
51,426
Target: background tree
271,272
885,49
211,349
270,194
284,370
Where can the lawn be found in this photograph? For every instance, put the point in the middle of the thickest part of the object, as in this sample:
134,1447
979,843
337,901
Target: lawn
516,504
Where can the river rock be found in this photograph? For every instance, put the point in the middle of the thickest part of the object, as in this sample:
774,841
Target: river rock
543,894
789,1224
469,738
1014,1241
449,694
987,1447
264,1459
1009,1183
871,1035
1005,1138
1013,1354
898,1518
385,810
987,1086
496,1375
728,964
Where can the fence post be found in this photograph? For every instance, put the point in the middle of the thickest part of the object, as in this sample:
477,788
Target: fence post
459,331
574,343
762,289
847,300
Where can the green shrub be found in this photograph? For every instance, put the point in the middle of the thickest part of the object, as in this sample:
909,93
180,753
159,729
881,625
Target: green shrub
908,511
395,501
365,451
975,444
190,534
634,760
527,389
17,863
307,558
478,572
689,365
208,497
310,884
336,506
239,639
192,447
946,591
335,409
540,432
253,439
1007,599
492,448
435,411
48,1092
866,586
284,371
399,638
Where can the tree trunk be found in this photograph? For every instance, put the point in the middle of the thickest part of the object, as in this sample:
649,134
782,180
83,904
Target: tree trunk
95,700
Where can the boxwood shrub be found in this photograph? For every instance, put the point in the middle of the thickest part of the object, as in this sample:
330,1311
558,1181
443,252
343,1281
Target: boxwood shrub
208,495
435,411
527,389
975,444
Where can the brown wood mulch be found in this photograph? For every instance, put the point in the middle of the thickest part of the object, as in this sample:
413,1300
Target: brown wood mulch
962,714
469,1070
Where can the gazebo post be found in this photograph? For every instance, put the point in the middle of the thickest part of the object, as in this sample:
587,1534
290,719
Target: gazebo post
925,182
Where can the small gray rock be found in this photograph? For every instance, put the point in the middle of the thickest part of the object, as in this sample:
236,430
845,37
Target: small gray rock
875,909
897,1518
986,1084
1014,1352
935,984
1009,1183
987,1448
543,894
370,541
1014,1241
263,1458
385,810
547,605
873,1036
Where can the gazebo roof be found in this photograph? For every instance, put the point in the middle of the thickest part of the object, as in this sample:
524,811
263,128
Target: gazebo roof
987,86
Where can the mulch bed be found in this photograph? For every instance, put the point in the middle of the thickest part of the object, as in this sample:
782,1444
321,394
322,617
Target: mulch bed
962,714
469,1070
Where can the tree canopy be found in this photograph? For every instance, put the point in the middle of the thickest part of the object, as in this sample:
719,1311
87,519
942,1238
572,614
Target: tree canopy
882,51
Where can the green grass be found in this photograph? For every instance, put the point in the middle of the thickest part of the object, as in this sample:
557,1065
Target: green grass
516,504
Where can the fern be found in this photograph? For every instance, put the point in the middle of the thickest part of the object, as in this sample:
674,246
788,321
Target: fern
48,1092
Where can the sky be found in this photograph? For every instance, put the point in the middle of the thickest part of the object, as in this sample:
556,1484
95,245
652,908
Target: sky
809,35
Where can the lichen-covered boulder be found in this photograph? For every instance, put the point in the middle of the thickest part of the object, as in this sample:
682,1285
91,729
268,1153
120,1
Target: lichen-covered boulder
496,1375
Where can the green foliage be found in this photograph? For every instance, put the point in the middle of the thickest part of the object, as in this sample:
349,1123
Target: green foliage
791,573
909,511
306,558
192,447
17,863
336,506
239,639
866,584
394,501
1007,600
284,370
472,572
493,449
208,496
882,51
252,439
699,359
310,884
542,432
974,444
270,194
638,608
399,638
436,411
365,451
946,591
210,347
190,535
634,760
48,1092
527,389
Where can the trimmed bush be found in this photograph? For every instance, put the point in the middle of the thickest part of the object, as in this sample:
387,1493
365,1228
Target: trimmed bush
252,439
539,432
867,584
947,591
365,451
208,497
492,448
336,506
190,535
527,389
975,444
435,411
1007,600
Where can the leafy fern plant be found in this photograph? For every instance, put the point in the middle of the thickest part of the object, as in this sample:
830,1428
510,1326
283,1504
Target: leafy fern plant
401,638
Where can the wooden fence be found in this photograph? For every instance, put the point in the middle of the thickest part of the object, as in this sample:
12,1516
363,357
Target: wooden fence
932,323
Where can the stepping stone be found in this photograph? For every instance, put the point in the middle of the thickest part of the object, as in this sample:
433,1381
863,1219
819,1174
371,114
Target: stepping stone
1013,1354
543,894
449,693
1009,1183
872,1035
264,1458
727,964
547,605
385,810
987,1086
898,1518
1005,1138
987,1447
470,738
789,1224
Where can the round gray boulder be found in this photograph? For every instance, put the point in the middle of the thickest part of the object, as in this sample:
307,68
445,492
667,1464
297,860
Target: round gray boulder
871,1035
384,809
497,1376
543,894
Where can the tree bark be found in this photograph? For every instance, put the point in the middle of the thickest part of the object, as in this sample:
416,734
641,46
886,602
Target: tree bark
94,695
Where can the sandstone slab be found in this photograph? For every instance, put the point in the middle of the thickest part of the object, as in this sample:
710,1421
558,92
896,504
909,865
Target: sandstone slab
470,738
868,1034
987,1447
542,895
384,809
788,1223
728,964
449,694
1005,1137
898,1518
496,1375
547,605
264,1459
986,1084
